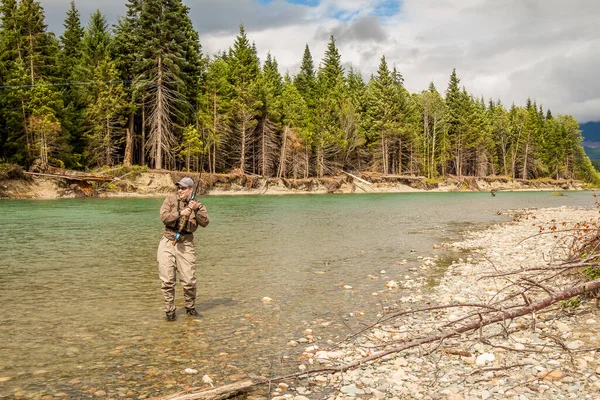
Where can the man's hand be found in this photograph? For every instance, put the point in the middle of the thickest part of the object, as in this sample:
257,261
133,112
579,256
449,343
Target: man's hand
194,205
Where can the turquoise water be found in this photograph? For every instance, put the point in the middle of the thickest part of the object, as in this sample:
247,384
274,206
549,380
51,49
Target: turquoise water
81,307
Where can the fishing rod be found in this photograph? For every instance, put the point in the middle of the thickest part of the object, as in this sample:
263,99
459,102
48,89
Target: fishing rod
183,221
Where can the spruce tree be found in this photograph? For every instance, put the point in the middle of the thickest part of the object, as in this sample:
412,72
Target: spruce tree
245,71
161,69
330,93
69,61
295,140
105,99
215,113
125,52
70,43
434,121
271,88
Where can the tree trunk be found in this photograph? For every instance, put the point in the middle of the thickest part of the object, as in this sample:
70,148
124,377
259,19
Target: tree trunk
282,163
143,138
157,123
243,150
127,158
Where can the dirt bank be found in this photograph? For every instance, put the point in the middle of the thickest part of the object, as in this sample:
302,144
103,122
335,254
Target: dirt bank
158,183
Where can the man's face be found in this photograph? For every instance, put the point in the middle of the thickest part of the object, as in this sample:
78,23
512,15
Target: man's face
184,191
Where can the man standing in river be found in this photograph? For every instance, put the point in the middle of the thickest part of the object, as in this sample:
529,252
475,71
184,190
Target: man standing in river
180,257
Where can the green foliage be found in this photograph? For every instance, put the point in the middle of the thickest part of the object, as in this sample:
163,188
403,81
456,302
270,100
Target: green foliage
150,91
573,302
592,273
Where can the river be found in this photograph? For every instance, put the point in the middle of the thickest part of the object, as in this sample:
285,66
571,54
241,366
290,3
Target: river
80,302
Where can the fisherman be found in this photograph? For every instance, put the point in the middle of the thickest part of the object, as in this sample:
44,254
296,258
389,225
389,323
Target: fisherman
178,256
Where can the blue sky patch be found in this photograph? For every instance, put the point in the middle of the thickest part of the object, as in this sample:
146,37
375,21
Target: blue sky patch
387,8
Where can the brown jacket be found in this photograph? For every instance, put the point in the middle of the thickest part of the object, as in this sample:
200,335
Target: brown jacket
170,213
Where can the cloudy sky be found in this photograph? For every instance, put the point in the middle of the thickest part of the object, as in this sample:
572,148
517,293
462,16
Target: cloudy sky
548,50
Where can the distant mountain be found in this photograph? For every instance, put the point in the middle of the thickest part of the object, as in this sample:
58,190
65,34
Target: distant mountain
591,139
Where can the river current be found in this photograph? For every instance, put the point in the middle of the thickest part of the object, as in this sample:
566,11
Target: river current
80,302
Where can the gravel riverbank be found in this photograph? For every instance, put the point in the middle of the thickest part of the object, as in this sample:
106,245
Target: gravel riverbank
548,355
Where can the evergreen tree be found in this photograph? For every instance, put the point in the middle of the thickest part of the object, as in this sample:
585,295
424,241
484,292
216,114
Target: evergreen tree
434,122
162,69
69,61
271,88
456,103
294,155
105,99
70,43
125,52
12,140
28,57
305,81
383,107
215,113
331,95
353,108
245,72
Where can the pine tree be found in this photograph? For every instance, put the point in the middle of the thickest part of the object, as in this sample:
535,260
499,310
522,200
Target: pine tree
71,43
271,88
105,99
125,50
434,116
29,54
330,93
69,61
161,68
383,107
353,140
294,157
215,113
245,72
305,81
11,70
456,102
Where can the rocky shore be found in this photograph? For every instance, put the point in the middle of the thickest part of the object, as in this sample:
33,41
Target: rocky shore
551,354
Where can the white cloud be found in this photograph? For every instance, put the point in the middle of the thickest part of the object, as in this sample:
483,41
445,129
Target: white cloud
510,49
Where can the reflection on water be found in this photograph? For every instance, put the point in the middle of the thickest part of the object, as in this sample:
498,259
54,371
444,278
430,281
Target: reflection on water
81,307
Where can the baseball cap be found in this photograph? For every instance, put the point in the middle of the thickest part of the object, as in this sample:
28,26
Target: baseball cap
187,182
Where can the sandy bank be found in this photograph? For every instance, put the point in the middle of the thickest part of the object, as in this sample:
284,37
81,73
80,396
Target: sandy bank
159,183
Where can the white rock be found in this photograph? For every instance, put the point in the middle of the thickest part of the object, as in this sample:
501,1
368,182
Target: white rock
347,287
484,358
519,346
562,327
590,321
391,285
574,345
190,371
206,379
266,299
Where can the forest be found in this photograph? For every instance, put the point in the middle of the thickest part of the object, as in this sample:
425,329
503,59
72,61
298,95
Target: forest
142,92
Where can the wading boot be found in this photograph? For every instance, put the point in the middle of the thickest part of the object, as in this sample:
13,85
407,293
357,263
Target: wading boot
171,315
192,312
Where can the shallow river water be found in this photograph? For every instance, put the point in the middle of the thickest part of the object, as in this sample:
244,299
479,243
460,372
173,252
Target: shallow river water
80,302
